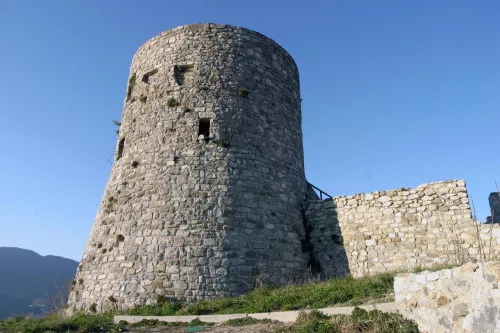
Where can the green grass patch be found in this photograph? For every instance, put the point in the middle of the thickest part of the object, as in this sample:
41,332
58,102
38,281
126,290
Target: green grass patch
249,321
337,291
57,323
359,321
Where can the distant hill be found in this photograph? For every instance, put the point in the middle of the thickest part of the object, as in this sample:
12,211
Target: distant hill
28,280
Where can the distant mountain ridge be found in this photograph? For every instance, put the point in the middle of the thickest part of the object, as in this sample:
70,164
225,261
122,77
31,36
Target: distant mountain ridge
28,280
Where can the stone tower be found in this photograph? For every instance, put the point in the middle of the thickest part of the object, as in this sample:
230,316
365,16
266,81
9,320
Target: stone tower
205,193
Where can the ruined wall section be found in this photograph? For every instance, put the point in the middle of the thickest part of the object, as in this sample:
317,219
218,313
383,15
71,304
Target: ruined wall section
387,230
462,299
205,193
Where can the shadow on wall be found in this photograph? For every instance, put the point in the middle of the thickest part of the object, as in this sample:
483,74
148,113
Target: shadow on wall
323,240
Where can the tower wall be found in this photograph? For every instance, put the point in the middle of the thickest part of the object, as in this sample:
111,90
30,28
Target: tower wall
189,216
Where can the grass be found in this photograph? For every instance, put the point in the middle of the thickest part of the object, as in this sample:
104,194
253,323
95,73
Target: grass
249,321
359,321
57,323
337,291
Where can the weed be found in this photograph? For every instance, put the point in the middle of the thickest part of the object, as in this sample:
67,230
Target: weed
99,245
220,143
135,164
73,282
120,238
103,251
143,99
345,290
172,103
131,85
80,281
58,323
117,123
93,308
248,321
242,92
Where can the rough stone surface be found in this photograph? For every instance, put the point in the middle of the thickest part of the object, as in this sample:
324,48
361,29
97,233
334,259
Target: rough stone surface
192,211
462,299
404,228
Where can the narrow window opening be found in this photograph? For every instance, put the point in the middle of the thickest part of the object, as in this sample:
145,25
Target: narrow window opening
120,149
181,73
146,78
204,128
131,85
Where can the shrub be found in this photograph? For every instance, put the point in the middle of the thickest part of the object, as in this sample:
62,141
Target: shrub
143,99
242,92
120,238
172,102
135,164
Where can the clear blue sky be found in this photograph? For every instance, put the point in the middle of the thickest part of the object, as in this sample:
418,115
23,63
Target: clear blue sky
395,94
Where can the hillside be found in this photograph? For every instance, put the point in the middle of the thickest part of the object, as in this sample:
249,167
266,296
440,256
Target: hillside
29,280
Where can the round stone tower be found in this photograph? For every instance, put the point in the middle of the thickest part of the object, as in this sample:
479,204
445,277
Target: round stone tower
204,197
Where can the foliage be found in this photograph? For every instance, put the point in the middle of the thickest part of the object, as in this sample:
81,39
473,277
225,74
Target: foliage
242,92
143,99
57,323
248,321
345,290
135,164
172,102
358,321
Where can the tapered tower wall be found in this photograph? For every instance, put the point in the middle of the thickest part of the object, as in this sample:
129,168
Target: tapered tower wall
204,197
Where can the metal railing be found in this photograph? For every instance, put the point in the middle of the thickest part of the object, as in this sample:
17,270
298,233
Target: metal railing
311,187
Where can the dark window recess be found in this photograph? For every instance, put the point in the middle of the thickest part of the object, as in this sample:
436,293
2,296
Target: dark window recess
147,77
204,128
120,149
131,85
180,72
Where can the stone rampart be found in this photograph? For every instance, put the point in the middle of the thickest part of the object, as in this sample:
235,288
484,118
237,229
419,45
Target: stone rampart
462,299
387,230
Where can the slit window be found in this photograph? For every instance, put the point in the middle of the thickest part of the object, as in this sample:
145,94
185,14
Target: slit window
146,78
119,153
204,127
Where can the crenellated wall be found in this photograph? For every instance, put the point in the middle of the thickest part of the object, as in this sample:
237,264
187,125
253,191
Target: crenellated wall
388,230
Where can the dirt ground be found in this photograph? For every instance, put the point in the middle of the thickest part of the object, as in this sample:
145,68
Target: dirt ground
257,328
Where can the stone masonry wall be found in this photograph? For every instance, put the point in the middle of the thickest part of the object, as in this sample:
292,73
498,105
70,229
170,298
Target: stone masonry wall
205,194
462,299
403,228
